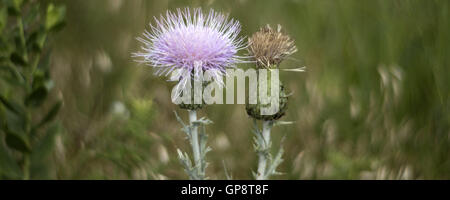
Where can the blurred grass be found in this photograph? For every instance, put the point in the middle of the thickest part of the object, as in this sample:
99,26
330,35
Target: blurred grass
373,103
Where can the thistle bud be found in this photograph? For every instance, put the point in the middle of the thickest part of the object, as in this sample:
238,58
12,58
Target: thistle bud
192,105
254,110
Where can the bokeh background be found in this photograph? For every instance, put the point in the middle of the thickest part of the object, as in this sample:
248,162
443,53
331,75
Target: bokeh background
372,104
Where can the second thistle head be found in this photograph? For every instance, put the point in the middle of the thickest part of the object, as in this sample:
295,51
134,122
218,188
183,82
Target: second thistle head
269,47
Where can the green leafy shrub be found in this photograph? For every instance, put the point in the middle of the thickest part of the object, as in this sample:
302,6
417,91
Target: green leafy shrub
27,130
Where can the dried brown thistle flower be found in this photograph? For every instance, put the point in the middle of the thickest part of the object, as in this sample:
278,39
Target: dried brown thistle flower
269,47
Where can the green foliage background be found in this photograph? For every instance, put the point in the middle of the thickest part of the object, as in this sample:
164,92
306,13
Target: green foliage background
372,104
26,113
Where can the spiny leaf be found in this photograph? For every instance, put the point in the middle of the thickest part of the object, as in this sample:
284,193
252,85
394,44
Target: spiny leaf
281,123
179,119
227,174
275,163
202,121
186,129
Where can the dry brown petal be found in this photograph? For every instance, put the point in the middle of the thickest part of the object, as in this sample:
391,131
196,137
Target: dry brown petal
269,47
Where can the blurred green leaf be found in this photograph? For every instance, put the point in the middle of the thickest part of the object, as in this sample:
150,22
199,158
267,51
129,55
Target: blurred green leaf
12,81
12,106
16,76
45,145
3,18
18,59
51,114
42,151
37,97
36,41
33,15
41,78
14,7
4,48
44,64
8,166
55,17
15,123
38,79
17,141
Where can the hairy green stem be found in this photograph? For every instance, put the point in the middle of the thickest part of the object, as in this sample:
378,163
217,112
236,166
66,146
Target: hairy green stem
264,141
195,167
194,141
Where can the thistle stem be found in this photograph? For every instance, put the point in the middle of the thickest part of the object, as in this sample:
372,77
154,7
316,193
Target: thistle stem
195,141
267,126
264,141
262,163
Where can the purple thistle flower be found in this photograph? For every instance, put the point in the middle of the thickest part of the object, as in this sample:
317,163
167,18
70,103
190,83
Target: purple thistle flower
192,41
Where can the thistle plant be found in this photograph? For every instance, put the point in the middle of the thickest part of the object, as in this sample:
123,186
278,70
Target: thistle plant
26,135
188,43
268,48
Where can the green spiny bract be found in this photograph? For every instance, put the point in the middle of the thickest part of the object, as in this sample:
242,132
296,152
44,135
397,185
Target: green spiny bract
254,110
192,105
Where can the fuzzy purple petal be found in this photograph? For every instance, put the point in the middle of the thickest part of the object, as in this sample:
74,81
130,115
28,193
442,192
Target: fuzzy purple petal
188,39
